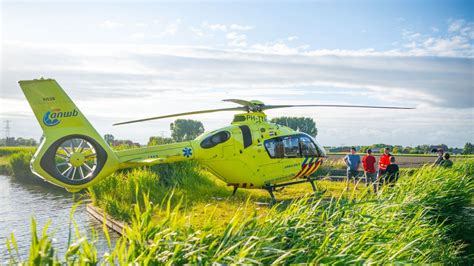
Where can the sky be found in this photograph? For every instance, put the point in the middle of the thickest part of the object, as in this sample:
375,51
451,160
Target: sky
123,60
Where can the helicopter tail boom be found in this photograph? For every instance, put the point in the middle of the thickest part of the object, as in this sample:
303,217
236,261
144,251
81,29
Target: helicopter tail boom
72,154
167,153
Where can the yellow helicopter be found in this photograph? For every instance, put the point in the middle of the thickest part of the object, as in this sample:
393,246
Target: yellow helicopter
251,153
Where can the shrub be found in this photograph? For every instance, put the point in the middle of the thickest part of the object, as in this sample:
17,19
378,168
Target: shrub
20,165
5,151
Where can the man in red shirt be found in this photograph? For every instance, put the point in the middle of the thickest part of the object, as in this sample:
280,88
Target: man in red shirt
368,161
383,163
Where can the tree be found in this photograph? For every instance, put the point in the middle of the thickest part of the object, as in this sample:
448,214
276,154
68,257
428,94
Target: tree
468,148
301,124
154,141
109,138
12,141
396,150
186,129
407,149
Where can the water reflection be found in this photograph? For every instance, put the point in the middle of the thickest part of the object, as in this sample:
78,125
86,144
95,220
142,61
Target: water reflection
20,201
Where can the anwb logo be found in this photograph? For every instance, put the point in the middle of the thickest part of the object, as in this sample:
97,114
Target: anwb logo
52,118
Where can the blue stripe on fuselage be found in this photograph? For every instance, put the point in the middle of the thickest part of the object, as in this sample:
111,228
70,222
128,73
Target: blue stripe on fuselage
306,159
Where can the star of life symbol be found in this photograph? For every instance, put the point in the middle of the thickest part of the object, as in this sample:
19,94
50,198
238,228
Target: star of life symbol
187,152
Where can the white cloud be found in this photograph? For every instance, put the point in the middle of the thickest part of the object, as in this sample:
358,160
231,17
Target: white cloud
236,39
141,25
170,29
108,24
456,25
457,42
292,38
240,27
197,32
462,27
138,35
215,27
275,48
225,27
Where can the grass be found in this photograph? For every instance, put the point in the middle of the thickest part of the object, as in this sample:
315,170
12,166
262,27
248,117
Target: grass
419,220
199,192
5,151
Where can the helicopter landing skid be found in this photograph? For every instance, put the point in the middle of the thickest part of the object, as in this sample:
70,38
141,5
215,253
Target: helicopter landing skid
270,188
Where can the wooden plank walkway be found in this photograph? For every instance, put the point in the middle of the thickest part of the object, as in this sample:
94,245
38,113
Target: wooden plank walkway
110,222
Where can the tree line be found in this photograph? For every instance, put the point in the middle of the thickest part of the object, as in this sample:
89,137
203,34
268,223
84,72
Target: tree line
12,141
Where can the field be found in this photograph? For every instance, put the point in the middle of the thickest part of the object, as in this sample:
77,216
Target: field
404,160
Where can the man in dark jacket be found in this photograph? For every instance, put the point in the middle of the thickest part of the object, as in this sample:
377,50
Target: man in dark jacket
440,157
392,173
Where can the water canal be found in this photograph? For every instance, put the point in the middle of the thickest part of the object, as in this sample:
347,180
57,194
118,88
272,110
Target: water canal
20,201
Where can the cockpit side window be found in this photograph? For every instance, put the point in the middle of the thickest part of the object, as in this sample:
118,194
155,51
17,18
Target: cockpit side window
291,146
274,148
295,146
213,140
308,148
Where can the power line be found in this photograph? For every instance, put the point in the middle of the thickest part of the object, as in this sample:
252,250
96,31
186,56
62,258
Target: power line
7,128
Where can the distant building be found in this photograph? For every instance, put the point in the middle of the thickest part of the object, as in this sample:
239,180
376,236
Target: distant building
343,149
456,151
436,147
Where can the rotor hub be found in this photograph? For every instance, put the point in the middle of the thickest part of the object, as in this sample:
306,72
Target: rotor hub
77,159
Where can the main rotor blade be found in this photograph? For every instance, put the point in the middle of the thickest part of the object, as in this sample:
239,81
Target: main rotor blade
334,105
239,101
182,114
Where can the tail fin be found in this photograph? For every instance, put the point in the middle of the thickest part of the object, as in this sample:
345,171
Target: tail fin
72,154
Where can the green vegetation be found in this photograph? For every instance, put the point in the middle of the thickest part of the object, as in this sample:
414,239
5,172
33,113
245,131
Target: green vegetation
20,165
122,143
419,220
301,124
5,151
191,185
186,129
157,140
6,155
468,148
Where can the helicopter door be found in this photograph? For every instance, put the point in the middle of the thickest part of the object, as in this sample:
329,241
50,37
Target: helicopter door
297,155
308,160
271,169
246,135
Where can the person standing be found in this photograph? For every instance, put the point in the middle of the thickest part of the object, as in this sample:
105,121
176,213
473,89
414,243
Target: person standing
446,162
352,161
392,173
368,162
440,157
384,162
